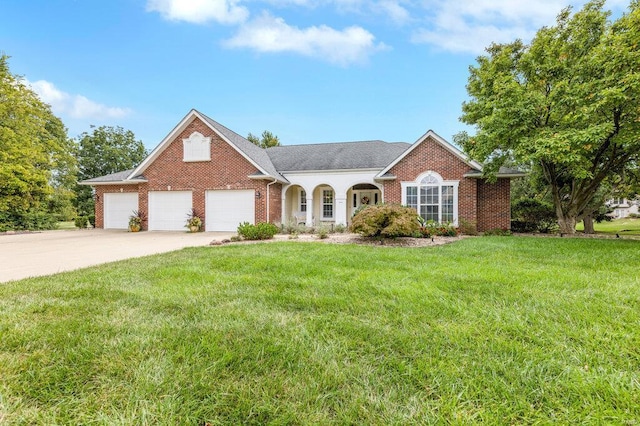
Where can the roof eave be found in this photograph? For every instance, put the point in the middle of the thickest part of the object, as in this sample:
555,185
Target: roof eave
267,177
443,142
476,175
329,171
112,182
387,177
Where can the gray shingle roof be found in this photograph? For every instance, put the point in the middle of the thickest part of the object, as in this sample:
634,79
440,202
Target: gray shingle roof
335,156
257,154
115,177
504,171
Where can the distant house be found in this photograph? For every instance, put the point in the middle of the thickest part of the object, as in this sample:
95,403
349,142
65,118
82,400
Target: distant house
228,180
622,207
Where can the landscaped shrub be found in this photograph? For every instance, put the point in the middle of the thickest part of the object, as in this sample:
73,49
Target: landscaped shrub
260,231
467,227
323,232
498,232
292,227
429,228
634,215
340,229
385,220
81,222
531,215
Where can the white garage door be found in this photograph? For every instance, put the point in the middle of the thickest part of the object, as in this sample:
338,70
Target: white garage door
226,209
118,206
168,210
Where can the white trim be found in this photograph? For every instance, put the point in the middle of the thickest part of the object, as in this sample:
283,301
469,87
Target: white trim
114,182
301,192
452,149
332,204
327,172
441,182
196,148
176,131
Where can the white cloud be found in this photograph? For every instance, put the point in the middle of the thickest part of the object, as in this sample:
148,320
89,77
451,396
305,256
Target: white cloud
74,106
471,26
200,11
272,34
394,10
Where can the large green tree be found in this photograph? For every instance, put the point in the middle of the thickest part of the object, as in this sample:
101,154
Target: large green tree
103,151
568,102
267,140
37,166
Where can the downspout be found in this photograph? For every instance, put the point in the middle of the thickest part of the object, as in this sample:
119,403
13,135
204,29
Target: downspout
268,193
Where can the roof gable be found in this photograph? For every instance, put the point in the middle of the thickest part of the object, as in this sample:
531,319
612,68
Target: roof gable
252,153
442,142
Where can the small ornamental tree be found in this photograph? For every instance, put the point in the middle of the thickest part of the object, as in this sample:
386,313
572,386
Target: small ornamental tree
385,221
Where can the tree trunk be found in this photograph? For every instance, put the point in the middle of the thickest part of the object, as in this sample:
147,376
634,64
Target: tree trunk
567,224
588,224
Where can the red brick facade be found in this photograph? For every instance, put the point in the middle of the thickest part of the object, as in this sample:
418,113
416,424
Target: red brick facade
494,205
228,169
483,204
480,203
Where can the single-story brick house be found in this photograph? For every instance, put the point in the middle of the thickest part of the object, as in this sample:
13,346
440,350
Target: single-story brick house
203,165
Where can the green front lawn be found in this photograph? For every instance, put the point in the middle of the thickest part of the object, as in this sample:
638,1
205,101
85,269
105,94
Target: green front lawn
500,330
622,227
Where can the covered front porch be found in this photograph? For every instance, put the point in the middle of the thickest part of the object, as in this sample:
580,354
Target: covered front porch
326,204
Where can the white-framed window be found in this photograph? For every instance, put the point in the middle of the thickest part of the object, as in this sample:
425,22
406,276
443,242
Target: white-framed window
432,197
303,201
196,148
327,204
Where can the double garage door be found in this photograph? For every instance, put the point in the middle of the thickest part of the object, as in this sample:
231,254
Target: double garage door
168,210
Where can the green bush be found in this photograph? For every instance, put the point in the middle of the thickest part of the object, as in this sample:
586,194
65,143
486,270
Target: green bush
81,222
468,227
385,220
323,232
498,232
340,229
429,228
260,231
531,215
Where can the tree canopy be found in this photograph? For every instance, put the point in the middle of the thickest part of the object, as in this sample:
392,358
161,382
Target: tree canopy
567,103
37,166
267,140
103,151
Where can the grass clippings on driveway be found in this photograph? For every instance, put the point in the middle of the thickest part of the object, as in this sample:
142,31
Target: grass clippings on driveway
505,330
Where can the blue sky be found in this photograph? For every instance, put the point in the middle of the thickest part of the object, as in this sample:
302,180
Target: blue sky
307,70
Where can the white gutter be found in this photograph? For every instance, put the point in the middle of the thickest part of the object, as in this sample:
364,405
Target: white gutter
268,185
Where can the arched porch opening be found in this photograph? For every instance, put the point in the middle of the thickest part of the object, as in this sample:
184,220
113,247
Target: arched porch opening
362,194
295,205
327,209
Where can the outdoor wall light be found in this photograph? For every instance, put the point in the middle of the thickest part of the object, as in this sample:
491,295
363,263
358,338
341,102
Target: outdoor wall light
257,194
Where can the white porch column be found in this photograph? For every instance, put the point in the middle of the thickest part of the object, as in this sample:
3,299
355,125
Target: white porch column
309,220
283,207
341,210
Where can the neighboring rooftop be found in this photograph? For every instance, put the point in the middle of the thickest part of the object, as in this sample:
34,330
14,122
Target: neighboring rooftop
335,156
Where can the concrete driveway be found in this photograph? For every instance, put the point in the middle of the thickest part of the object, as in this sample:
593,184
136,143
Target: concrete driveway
44,253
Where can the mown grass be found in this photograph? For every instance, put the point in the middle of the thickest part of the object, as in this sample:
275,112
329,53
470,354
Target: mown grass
622,227
511,330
